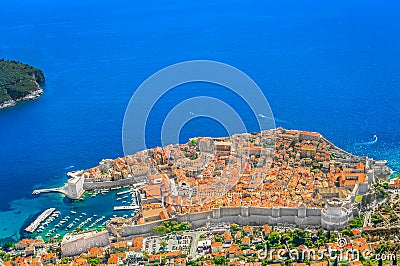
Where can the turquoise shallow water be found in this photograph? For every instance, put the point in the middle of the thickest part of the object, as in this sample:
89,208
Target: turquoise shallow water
24,211
89,207
332,68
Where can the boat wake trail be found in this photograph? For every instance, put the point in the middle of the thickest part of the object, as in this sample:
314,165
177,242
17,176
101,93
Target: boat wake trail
259,115
69,167
274,118
368,142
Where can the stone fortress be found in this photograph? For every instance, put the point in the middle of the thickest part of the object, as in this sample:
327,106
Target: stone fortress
73,244
336,215
339,205
312,183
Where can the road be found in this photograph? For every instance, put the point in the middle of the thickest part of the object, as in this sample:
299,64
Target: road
367,219
195,240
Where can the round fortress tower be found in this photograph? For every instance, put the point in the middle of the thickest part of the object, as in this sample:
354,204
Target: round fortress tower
335,215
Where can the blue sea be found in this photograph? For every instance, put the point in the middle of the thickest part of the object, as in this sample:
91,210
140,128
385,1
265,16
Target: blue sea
328,67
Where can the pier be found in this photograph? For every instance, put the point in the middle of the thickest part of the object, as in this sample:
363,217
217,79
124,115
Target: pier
50,190
125,208
124,192
73,189
32,227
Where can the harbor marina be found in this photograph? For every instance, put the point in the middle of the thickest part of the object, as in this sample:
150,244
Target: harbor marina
88,213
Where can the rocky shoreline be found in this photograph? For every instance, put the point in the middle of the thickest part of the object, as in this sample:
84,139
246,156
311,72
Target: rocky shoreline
19,82
31,96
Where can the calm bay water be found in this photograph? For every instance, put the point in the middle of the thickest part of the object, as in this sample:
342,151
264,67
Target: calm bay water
328,68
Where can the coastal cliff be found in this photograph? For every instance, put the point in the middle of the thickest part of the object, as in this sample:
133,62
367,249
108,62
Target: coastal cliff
19,82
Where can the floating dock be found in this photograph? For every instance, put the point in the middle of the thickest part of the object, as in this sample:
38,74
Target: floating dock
32,227
125,208
124,192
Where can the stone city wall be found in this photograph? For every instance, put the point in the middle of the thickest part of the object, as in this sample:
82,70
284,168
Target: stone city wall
239,215
73,245
109,184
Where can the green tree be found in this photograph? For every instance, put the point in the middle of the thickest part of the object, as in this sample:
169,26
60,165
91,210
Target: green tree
220,260
146,254
163,244
288,236
218,239
347,232
184,226
171,226
65,260
93,261
381,248
4,256
192,263
234,227
160,229
357,222
298,237
18,80
260,246
8,245
274,238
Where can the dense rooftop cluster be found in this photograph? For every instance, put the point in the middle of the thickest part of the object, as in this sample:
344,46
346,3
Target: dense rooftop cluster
276,168
217,244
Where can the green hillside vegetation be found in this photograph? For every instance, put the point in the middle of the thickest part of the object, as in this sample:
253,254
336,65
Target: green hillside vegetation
17,80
